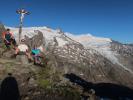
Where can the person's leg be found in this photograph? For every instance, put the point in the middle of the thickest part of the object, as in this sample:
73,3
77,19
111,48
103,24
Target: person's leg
7,47
13,42
29,56
15,53
16,50
36,59
7,44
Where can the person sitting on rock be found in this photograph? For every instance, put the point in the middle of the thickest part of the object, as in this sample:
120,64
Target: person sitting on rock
8,38
36,53
22,49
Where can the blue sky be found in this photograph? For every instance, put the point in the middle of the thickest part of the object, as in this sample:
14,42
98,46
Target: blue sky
104,18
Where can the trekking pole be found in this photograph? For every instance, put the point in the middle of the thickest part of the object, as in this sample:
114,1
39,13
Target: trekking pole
22,13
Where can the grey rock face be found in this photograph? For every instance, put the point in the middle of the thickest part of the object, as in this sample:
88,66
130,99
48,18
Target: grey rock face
2,29
36,40
122,49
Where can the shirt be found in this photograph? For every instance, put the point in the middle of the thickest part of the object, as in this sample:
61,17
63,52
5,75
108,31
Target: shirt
23,47
36,51
4,33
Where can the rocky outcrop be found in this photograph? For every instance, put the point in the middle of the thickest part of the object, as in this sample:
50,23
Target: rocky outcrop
125,53
2,29
122,49
36,40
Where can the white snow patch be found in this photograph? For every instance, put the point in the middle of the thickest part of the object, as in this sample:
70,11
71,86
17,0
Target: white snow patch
61,42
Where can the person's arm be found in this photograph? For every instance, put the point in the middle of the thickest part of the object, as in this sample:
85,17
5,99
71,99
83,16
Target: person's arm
7,40
3,36
12,35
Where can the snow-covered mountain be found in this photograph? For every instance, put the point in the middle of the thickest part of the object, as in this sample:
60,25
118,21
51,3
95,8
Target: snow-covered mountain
100,58
101,45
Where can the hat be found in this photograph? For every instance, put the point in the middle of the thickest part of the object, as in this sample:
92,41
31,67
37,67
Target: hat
22,40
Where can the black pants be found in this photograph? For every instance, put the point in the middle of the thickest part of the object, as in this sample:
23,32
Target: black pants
11,41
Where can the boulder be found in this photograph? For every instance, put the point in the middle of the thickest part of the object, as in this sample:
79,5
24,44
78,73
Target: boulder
37,40
22,58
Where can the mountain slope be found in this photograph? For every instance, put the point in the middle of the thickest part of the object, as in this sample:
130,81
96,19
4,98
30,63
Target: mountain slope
77,65
93,58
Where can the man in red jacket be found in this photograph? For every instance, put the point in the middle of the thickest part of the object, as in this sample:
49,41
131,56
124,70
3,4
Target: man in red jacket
8,38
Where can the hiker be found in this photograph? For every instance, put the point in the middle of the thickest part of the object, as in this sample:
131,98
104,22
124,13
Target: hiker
22,49
36,53
8,38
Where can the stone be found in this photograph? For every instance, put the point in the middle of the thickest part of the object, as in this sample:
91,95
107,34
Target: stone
22,58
